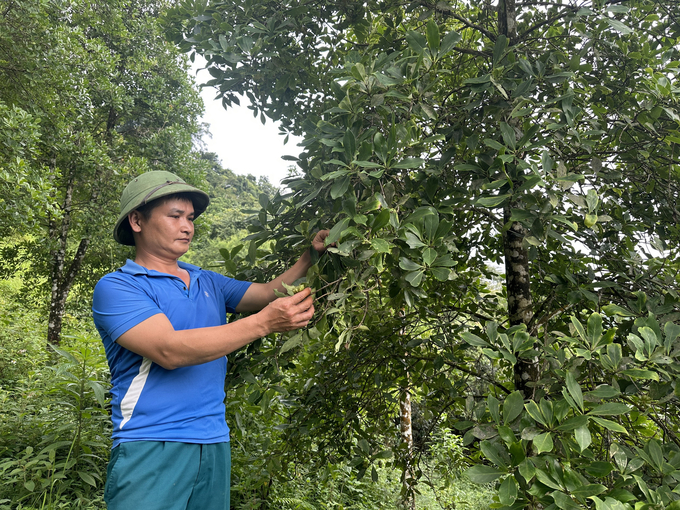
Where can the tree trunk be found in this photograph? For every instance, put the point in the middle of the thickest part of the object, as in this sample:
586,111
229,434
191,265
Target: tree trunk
406,431
520,303
61,280
517,279
60,294
507,20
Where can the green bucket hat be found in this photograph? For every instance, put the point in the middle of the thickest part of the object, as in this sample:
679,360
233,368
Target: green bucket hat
147,188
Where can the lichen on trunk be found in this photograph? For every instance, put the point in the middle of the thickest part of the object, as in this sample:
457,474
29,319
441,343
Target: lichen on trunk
520,303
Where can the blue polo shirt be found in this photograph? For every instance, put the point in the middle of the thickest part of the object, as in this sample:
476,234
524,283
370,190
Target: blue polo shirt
150,403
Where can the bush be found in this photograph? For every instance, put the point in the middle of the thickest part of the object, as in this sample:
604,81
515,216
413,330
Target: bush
54,432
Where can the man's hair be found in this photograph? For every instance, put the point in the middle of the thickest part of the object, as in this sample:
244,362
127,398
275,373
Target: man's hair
147,209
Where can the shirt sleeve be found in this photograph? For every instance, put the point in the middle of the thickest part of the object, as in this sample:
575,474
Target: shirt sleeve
118,305
232,290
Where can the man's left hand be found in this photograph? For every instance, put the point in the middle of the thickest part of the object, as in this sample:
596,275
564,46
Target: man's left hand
318,243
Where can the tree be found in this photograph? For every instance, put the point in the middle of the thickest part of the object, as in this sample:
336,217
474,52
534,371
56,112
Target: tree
443,140
93,96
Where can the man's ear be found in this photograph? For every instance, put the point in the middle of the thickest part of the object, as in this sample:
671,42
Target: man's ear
135,219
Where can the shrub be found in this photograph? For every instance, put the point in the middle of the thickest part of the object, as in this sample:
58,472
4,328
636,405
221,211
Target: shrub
54,431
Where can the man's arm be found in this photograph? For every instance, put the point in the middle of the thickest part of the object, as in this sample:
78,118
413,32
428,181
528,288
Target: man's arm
260,295
157,340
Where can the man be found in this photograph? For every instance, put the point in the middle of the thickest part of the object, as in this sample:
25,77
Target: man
163,325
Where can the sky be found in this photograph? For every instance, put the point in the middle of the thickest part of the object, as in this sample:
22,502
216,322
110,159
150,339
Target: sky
243,144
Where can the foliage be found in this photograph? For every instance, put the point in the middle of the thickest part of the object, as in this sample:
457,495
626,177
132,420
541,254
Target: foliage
92,96
22,330
261,480
602,430
441,141
55,431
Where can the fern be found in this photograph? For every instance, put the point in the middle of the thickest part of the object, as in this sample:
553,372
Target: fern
295,504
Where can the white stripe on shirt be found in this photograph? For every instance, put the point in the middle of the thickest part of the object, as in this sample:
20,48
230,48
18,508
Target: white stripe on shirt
127,405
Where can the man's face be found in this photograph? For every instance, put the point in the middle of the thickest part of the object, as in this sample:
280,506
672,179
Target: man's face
168,231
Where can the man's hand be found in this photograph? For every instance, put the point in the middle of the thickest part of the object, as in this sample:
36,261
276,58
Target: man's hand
288,313
319,241
259,295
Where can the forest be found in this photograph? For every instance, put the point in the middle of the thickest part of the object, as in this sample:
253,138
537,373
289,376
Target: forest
497,320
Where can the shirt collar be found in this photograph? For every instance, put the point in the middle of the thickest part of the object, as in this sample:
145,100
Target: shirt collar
135,269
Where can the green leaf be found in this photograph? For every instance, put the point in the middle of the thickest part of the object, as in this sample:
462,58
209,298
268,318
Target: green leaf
349,143
579,328
656,453
564,502
594,328
546,479
494,201
478,80
432,35
382,219
527,469
416,41
99,392
336,173
441,273
408,264
291,343
340,187
535,412
499,48
671,332
384,454
493,405
367,164
609,409
599,469
618,26
639,373
492,452
587,491
512,406
483,474
380,245
336,231
409,163
610,425
87,478
449,42
617,310
573,423
583,438
574,390
490,142
508,135
544,442
415,277
507,492
471,339
429,256
604,391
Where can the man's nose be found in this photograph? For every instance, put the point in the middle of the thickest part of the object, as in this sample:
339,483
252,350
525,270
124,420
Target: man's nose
187,225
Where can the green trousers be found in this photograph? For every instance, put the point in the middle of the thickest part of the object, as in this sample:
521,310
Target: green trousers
156,475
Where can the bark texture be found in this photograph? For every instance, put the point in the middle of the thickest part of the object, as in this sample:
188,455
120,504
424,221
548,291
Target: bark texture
520,303
62,277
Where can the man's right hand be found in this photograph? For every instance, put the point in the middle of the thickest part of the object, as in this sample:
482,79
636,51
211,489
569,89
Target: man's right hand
288,313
